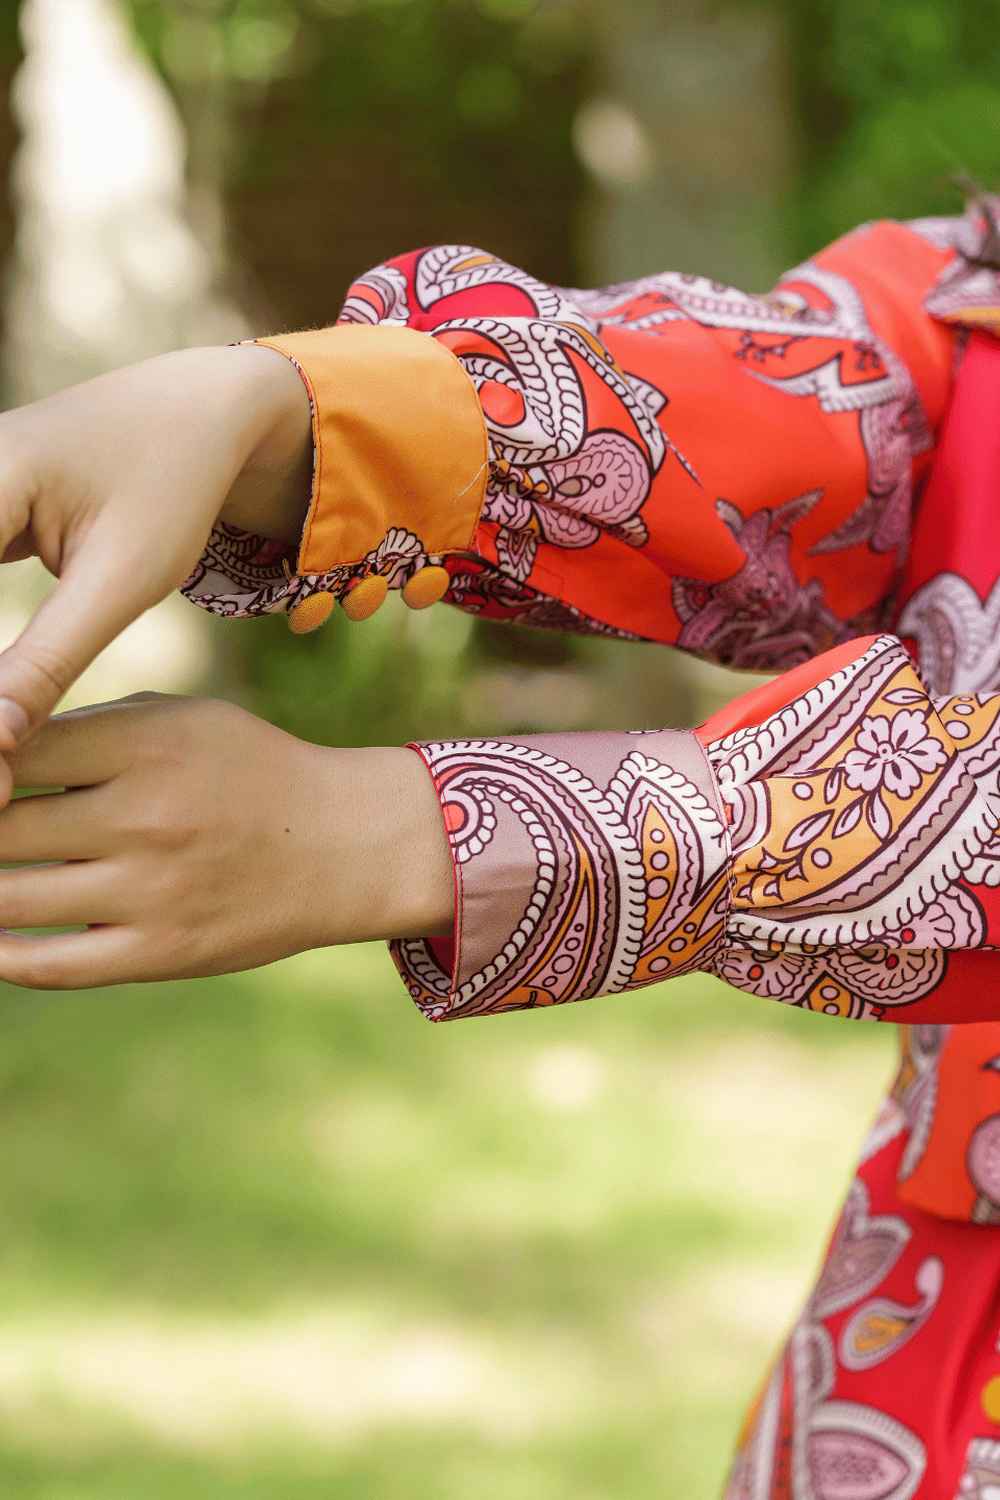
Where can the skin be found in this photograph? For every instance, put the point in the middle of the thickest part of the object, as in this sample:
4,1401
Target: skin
191,838
88,476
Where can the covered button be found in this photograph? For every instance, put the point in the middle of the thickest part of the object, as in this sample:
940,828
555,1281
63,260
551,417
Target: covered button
310,613
426,587
361,602
990,1398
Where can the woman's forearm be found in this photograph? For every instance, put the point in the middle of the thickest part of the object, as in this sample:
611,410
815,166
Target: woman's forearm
379,834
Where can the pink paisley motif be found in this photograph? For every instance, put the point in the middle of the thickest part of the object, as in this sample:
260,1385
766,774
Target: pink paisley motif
619,867
864,1249
958,634
848,1462
916,1088
983,1159
880,1328
607,480
823,1448
570,501
762,614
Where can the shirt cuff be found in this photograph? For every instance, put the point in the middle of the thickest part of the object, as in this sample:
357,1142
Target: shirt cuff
584,864
399,475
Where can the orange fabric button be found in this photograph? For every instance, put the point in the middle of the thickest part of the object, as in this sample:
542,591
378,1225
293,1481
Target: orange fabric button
990,1398
361,602
426,587
311,613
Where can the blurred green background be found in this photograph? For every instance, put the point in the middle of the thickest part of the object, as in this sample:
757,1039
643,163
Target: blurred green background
274,1236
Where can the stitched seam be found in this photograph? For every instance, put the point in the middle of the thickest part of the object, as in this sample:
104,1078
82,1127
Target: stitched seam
317,464
317,484
726,834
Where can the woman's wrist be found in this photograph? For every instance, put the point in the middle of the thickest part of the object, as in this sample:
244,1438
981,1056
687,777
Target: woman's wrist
271,493
378,842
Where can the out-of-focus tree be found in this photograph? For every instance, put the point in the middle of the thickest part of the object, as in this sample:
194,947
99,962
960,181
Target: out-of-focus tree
345,131
326,135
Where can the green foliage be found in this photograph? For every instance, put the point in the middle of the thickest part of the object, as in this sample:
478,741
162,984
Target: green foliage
893,102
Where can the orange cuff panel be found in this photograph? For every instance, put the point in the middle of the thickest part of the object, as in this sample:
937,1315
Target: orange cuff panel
399,440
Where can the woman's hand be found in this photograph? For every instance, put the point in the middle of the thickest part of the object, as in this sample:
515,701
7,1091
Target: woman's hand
115,484
197,839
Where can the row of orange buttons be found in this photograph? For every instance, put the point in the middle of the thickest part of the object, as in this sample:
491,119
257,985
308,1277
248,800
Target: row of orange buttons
426,587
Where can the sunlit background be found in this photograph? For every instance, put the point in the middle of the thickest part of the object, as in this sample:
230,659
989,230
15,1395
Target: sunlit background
273,1236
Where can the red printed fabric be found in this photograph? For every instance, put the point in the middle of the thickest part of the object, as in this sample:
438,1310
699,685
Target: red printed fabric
759,480
675,460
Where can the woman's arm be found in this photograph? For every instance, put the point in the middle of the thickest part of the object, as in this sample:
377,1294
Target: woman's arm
668,459
829,840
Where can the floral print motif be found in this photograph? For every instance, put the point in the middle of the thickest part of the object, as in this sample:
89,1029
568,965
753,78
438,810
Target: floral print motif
895,753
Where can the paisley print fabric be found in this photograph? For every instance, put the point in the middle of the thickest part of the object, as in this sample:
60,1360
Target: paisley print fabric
586,864
670,458
835,855
758,480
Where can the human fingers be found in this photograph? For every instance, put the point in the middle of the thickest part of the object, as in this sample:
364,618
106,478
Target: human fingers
60,895
70,960
84,746
56,826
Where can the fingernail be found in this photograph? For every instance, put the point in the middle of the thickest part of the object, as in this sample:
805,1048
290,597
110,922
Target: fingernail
13,717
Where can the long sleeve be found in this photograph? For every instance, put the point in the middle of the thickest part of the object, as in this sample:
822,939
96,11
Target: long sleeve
668,459
828,840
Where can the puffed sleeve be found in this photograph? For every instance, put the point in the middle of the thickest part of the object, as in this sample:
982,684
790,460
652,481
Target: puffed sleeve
828,840
669,459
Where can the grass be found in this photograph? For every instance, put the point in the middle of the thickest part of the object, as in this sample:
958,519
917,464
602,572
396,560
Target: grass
276,1236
